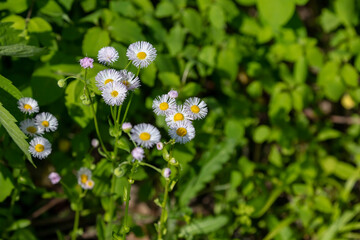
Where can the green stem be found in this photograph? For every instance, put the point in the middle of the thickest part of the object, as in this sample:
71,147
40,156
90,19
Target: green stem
111,207
76,225
132,139
163,208
127,107
128,65
118,114
150,166
95,119
125,226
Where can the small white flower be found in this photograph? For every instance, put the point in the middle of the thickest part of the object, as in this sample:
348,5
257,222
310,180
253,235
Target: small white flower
108,55
40,147
141,54
138,153
106,76
166,172
89,184
83,176
159,146
94,143
54,177
173,94
46,121
196,108
163,105
30,128
28,105
126,127
129,79
182,132
114,93
179,115
145,135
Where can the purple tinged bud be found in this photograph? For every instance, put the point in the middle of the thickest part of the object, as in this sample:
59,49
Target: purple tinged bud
54,177
138,153
86,62
94,143
173,94
126,127
166,172
159,146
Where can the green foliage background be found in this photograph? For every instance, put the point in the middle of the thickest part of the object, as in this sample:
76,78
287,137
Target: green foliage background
278,155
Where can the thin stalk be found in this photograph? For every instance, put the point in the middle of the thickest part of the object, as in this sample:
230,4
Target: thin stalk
118,114
76,224
111,207
150,166
127,107
163,208
95,119
125,226
128,65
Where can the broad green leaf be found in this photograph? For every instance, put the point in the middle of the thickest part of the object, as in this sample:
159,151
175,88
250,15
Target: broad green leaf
95,39
81,113
165,9
52,9
169,79
261,133
279,227
39,25
204,226
217,157
125,8
323,204
9,123
148,75
175,39
10,88
207,55
9,35
16,6
216,16
18,224
192,21
346,11
18,22
125,31
329,79
247,2
191,89
254,89
20,50
6,179
300,70
349,75
276,12
67,3
88,5
327,134
328,20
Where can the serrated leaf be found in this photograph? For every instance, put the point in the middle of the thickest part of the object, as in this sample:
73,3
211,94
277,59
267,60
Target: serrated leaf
217,157
204,226
21,50
8,87
9,123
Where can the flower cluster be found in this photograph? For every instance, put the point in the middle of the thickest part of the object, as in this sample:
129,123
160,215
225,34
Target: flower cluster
84,178
43,122
179,117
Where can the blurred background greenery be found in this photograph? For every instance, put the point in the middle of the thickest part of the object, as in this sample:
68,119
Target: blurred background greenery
278,156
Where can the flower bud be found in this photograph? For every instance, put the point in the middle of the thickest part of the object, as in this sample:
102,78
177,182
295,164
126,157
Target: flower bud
61,83
54,177
166,172
159,146
94,143
126,127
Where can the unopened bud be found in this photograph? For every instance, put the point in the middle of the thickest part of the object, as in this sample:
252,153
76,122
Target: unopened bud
61,83
166,172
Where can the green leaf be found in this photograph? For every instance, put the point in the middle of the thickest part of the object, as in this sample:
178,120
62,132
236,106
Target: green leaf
8,122
327,134
349,75
18,224
192,21
216,16
261,133
169,79
330,81
247,2
67,3
16,6
9,35
328,20
52,9
148,75
346,11
276,12
125,30
94,39
191,89
207,55
79,112
300,70
8,87
175,39
214,161
123,143
323,204
6,179
20,50
39,25
204,226
165,9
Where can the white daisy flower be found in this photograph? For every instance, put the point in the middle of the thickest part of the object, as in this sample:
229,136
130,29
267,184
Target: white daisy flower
196,108
114,93
108,55
141,54
163,105
89,184
178,115
83,176
106,76
46,121
28,105
182,132
129,79
30,128
40,147
145,135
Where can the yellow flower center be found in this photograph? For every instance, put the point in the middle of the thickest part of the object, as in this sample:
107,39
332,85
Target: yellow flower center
39,147
83,178
27,107
181,132
145,136
195,109
114,93
90,183
141,55
45,123
108,80
31,129
164,106
178,117
126,83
